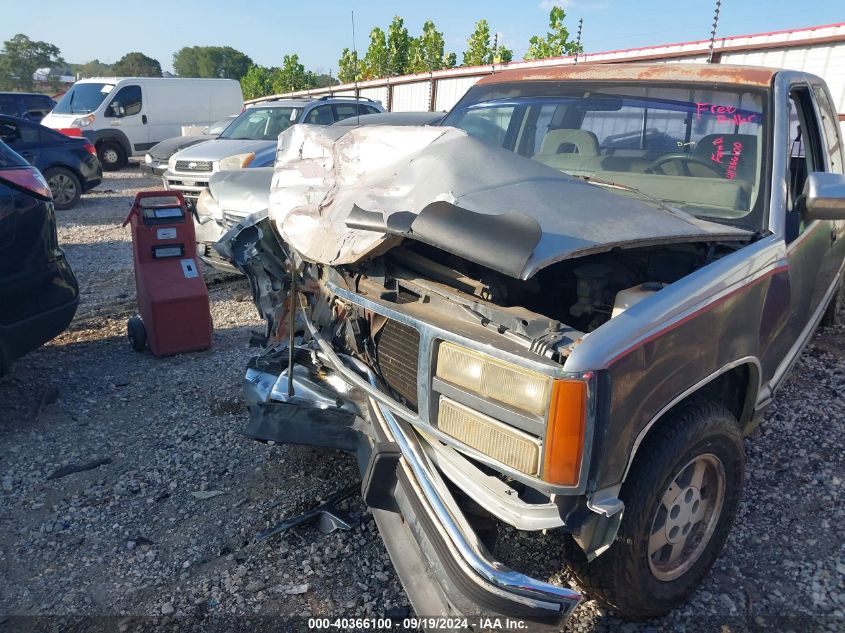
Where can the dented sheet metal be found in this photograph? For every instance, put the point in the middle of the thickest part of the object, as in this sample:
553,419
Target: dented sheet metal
337,198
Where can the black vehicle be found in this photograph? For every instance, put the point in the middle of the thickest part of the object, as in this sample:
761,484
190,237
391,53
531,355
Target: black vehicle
69,164
155,160
27,105
38,291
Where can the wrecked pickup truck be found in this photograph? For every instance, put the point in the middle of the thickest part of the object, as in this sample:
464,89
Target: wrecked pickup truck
562,311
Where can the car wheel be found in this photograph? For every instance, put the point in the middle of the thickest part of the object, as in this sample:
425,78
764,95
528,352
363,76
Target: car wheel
65,187
111,156
833,313
137,333
681,498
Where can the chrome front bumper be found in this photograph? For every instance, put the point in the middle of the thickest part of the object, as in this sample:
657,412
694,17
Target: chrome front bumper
444,568
190,184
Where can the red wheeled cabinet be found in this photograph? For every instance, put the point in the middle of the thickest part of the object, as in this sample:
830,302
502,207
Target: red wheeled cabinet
175,315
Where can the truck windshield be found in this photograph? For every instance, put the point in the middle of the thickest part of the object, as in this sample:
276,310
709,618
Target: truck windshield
696,147
83,98
261,124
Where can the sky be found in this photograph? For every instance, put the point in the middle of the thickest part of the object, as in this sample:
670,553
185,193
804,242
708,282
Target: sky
318,31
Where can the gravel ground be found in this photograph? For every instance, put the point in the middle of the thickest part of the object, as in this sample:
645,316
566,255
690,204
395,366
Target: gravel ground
161,534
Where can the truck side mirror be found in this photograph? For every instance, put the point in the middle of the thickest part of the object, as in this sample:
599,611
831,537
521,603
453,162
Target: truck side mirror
824,196
117,109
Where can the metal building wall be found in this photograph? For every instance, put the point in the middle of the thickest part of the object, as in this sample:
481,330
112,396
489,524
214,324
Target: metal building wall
450,89
411,97
376,94
826,61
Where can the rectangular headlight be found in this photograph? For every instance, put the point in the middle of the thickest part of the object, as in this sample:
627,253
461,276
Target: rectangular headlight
492,378
503,443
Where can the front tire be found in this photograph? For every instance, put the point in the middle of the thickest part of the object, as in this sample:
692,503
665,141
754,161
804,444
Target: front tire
65,187
111,155
681,498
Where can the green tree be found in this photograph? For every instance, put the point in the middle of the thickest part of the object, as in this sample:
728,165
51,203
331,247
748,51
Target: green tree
186,61
431,45
375,61
21,57
292,76
556,43
322,80
416,58
137,65
349,67
479,52
258,82
95,68
229,63
220,62
502,55
450,60
398,47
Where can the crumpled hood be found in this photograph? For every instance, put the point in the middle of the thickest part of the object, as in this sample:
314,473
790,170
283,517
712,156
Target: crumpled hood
216,149
337,199
243,191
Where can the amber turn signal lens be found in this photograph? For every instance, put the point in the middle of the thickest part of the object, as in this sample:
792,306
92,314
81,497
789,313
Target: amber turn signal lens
565,433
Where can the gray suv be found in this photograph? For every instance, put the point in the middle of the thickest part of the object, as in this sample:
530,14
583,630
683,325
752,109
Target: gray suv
250,140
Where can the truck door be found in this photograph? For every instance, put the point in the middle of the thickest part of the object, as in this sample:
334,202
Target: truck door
833,154
808,243
126,112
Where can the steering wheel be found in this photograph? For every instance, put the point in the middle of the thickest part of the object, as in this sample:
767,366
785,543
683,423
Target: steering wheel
684,159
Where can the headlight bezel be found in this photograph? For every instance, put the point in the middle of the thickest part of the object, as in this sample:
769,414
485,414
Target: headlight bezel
236,161
83,121
571,442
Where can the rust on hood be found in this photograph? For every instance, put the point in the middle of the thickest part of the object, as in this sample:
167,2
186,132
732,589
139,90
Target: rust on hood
693,73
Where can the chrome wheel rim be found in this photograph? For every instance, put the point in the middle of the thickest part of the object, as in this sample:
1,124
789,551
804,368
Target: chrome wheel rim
110,156
686,517
63,188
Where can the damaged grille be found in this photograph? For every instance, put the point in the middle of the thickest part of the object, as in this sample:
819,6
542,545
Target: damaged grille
398,350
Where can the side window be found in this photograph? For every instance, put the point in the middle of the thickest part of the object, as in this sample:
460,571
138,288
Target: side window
365,109
36,102
804,154
488,124
321,115
126,102
10,132
346,110
8,105
830,127
15,134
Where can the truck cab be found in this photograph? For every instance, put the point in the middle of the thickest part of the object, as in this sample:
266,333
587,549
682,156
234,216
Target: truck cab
563,311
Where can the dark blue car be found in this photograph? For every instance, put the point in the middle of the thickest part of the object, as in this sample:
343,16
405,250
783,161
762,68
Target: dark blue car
69,164
38,291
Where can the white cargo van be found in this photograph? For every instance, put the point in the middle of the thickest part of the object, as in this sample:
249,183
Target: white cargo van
125,116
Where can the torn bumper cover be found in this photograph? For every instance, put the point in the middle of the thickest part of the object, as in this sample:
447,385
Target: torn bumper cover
444,568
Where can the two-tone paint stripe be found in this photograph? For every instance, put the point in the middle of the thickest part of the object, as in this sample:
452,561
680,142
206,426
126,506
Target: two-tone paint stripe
778,267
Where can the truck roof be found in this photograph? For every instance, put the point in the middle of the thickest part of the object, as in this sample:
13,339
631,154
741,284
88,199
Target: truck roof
693,73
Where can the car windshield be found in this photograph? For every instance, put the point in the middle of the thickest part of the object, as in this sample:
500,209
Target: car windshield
83,98
216,128
696,147
261,124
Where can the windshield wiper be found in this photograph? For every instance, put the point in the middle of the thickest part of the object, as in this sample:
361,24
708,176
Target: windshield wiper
609,183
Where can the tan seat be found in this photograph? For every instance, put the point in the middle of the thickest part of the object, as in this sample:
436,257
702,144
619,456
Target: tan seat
563,141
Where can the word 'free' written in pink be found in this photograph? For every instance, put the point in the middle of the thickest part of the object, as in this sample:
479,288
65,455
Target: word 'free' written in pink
722,113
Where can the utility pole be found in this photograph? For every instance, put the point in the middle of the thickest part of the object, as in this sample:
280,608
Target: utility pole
578,39
713,31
